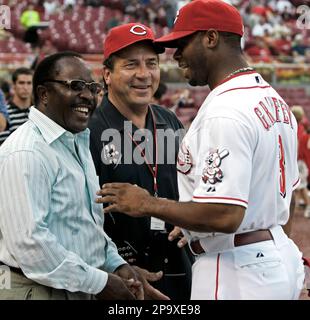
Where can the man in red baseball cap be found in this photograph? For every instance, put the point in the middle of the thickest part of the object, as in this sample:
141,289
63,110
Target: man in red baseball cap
135,153
203,15
210,23
125,35
237,167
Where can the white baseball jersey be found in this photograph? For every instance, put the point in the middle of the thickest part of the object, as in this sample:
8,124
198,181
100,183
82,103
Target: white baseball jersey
241,149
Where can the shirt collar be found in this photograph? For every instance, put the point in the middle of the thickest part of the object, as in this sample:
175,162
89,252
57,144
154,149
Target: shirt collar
51,130
116,119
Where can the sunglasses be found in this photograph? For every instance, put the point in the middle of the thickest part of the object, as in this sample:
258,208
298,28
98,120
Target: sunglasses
79,85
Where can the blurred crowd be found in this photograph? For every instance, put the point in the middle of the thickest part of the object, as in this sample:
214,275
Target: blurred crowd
270,26
303,135
272,32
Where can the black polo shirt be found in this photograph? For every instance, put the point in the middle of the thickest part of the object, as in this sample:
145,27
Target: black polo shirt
111,147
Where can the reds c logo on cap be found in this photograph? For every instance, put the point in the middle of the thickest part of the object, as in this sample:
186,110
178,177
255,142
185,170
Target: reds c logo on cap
141,30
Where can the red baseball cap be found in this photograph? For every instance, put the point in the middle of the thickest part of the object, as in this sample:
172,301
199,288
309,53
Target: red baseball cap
200,15
125,35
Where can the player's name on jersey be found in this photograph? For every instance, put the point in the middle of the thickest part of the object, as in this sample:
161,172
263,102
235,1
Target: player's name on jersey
273,110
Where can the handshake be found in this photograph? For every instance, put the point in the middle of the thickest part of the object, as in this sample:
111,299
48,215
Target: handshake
131,283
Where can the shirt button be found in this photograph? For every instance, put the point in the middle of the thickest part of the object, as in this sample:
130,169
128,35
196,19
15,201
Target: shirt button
166,260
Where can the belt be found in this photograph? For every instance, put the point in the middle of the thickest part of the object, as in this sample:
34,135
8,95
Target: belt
240,239
13,269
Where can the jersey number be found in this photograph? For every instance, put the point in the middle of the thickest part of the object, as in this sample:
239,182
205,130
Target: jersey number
282,168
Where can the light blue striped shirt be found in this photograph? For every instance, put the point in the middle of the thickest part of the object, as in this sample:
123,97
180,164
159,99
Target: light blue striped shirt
50,225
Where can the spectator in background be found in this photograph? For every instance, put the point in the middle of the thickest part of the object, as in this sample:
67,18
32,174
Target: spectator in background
163,98
3,112
4,35
282,46
93,3
68,5
18,106
258,51
259,8
100,96
284,6
262,28
170,7
132,7
306,125
299,49
51,6
161,16
185,101
307,55
151,14
29,19
181,99
114,21
303,154
6,89
45,50
161,90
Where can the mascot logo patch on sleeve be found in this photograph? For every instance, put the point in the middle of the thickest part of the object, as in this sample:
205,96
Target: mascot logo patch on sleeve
212,172
185,162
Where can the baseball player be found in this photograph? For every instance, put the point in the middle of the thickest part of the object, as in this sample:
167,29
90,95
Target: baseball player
237,167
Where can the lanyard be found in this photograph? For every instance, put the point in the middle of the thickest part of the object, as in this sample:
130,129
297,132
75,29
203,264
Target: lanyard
153,170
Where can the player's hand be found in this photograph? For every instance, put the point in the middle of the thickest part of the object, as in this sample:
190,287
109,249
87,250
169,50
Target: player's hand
176,233
150,293
122,197
126,272
116,289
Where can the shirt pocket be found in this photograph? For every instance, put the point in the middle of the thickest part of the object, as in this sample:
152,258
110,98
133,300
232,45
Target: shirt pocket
255,257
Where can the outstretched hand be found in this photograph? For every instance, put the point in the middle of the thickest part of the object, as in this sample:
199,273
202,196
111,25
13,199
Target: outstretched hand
132,279
176,233
116,289
150,293
122,197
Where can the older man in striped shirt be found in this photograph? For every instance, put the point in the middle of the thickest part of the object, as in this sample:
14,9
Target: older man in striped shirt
51,230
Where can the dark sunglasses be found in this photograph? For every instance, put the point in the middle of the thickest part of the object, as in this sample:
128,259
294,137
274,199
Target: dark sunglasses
79,85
